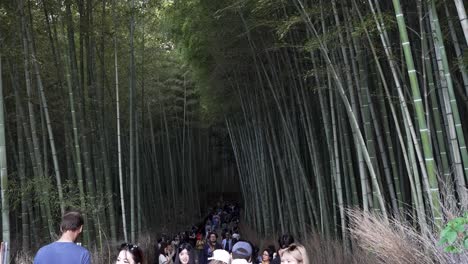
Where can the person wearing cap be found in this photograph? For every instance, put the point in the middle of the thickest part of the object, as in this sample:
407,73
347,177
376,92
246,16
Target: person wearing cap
220,256
241,253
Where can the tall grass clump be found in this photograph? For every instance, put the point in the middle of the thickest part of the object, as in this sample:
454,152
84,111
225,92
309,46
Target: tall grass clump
320,250
396,242
329,251
23,258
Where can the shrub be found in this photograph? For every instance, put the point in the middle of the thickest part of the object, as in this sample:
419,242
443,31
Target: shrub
395,242
455,235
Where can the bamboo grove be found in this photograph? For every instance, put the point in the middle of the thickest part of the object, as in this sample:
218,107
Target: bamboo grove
337,104
100,115
124,109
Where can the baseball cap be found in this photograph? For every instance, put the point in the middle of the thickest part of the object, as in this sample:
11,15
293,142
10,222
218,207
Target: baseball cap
242,248
222,255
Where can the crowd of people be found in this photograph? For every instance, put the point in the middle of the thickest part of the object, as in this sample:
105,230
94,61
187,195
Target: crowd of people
200,245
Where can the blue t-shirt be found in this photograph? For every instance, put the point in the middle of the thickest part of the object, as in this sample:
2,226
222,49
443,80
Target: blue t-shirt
62,253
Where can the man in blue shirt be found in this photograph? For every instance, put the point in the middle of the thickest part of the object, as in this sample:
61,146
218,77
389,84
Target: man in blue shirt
65,250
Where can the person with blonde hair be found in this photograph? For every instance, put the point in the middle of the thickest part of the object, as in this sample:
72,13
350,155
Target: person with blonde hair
294,254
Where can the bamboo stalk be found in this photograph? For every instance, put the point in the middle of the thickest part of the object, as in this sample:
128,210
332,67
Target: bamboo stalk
3,167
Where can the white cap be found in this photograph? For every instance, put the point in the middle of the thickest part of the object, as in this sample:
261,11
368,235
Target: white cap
221,254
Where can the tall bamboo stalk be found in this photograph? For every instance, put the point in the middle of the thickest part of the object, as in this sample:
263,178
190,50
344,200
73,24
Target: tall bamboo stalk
132,125
462,17
119,147
3,168
450,102
349,111
458,51
32,120
408,167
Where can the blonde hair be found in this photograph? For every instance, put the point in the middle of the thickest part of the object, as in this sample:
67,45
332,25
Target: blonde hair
297,251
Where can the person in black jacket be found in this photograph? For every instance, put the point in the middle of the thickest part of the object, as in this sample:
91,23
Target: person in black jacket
284,241
211,245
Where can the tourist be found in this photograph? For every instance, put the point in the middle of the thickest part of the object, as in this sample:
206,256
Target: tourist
165,254
294,254
220,256
241,253
227,242
209,247
65,250
184,254
267,256
130,254
284,241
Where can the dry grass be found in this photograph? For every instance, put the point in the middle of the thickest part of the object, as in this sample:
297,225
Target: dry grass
319,250
23,258
395,242
328,251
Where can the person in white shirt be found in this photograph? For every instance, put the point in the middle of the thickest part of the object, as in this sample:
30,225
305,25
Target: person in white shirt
166,253
227,242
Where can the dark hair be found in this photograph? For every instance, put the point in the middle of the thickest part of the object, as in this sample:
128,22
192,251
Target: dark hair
71,221
212,233
285,240
272,249
136,251
187,247
270,252
162,248
183,246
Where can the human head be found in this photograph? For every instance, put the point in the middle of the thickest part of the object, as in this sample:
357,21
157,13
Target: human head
294,254
242,250
267,254
163,248
212,236
184,254
71,221
220,256
285,240
130,254
176,240
169,249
